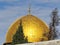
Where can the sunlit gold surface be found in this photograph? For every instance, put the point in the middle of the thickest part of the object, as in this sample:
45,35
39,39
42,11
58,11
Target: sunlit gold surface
33,27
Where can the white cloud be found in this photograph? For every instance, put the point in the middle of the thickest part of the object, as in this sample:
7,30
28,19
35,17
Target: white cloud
47,1
54,1
9,0
11,11
37,1
41,1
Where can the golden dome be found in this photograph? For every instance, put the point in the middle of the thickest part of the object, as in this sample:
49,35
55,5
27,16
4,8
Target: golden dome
33,27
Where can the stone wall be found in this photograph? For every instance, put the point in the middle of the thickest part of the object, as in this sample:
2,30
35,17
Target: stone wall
52,42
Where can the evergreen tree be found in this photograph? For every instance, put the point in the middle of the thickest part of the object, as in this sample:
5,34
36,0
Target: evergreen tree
54,22
19,37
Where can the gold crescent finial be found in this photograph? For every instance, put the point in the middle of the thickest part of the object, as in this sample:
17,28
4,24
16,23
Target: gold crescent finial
29,9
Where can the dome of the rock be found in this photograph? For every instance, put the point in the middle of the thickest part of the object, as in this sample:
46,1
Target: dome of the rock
34,28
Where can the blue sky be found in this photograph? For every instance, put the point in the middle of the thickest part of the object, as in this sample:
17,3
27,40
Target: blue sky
10,10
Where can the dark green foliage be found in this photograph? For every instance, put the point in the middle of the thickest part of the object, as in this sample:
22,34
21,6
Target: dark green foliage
53,24
19,37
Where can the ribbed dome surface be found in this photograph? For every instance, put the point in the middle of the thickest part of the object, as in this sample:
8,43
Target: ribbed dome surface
33,27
